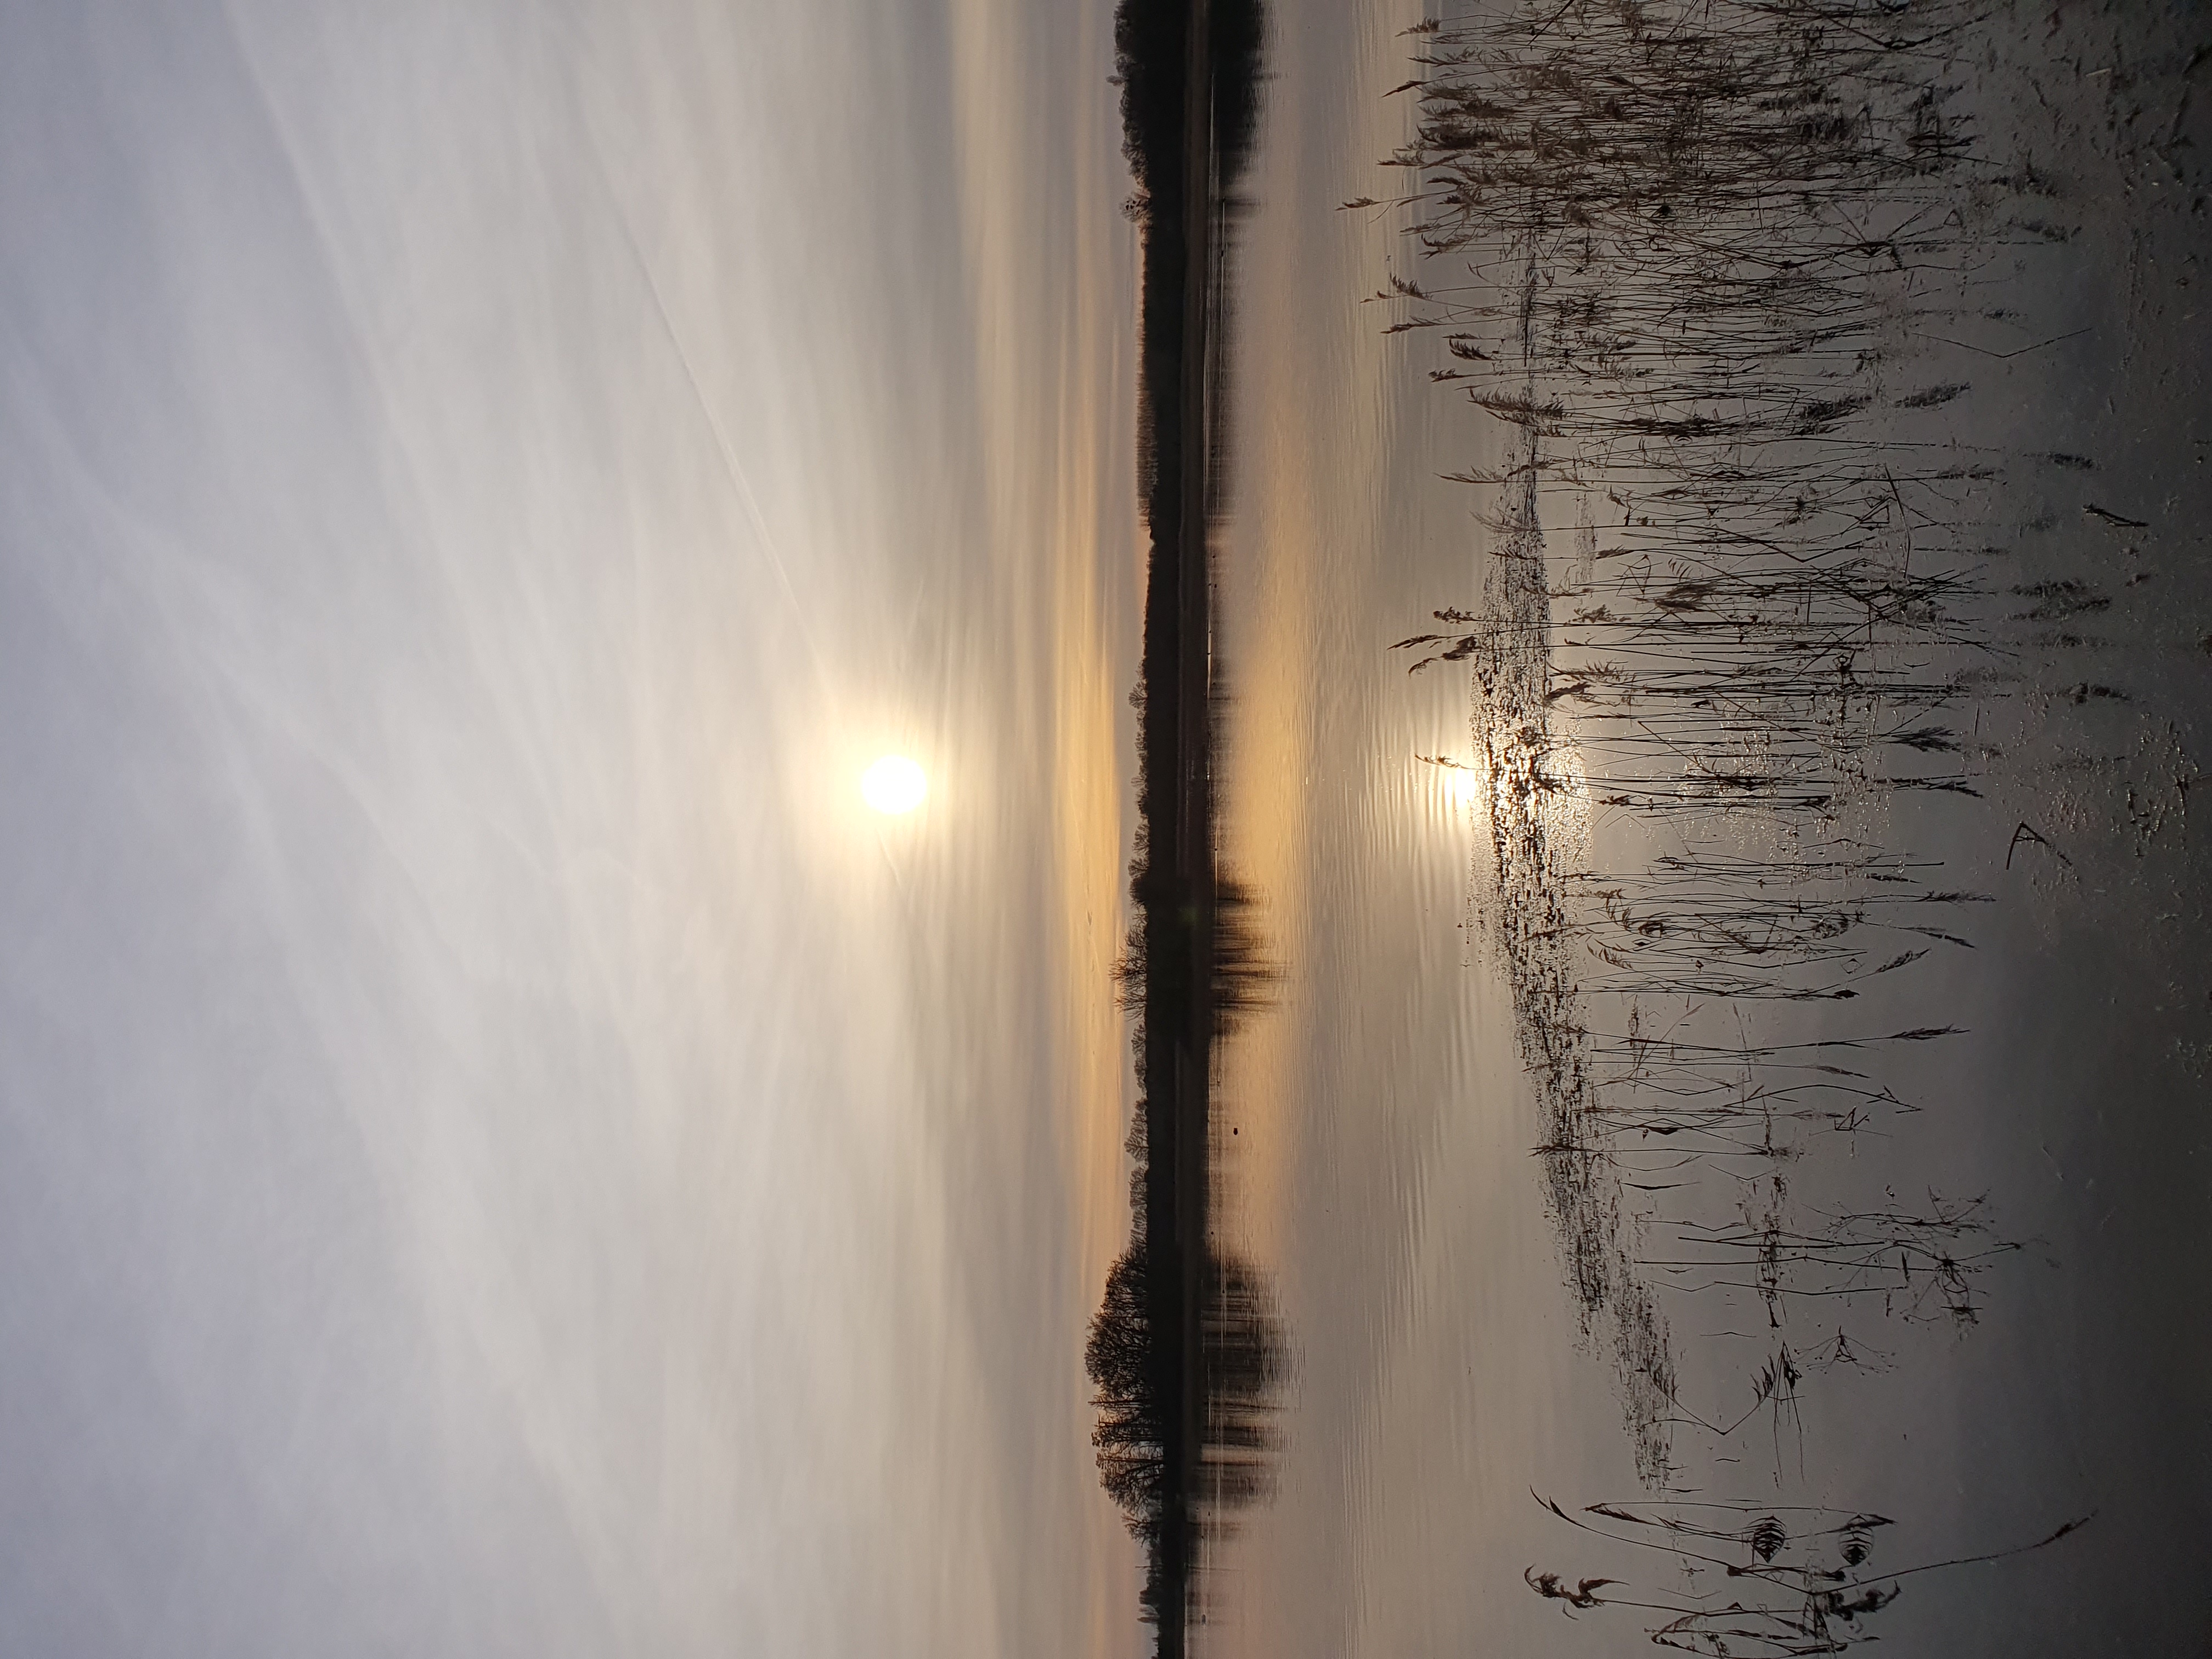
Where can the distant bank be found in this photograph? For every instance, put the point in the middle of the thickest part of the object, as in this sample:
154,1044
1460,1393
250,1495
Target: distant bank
1179,1352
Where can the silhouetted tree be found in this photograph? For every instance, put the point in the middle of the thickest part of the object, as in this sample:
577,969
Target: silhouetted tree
1118,1358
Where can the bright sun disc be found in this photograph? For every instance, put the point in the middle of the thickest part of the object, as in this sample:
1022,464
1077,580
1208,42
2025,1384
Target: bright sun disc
893,784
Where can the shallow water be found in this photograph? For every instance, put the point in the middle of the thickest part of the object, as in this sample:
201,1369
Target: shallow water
1383,1121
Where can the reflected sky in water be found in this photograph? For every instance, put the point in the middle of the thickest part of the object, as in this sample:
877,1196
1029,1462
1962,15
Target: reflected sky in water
1383,1127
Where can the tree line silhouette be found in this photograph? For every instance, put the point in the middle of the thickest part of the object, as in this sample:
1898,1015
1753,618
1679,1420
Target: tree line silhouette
1184,1352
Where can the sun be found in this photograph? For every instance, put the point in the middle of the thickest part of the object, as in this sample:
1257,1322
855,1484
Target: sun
893,784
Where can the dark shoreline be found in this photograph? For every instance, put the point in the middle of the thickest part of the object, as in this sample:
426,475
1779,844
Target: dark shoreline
1188,68
1179,873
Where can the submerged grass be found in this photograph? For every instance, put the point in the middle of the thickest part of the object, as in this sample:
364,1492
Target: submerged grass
1697,249
1794,1581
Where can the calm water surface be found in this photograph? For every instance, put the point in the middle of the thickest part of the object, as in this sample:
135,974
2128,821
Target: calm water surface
1379,1122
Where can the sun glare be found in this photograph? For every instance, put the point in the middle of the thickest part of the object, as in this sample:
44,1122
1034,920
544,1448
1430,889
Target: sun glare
893,784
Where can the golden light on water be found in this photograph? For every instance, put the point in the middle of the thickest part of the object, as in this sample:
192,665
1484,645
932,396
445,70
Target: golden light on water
893,784
1462,783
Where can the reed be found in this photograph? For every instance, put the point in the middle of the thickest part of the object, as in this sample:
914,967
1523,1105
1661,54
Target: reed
1692,254
1794,1581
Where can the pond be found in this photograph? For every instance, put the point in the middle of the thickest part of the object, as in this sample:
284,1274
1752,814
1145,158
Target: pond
1715,614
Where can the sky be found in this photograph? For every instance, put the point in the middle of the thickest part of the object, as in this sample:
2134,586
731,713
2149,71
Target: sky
499,1152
